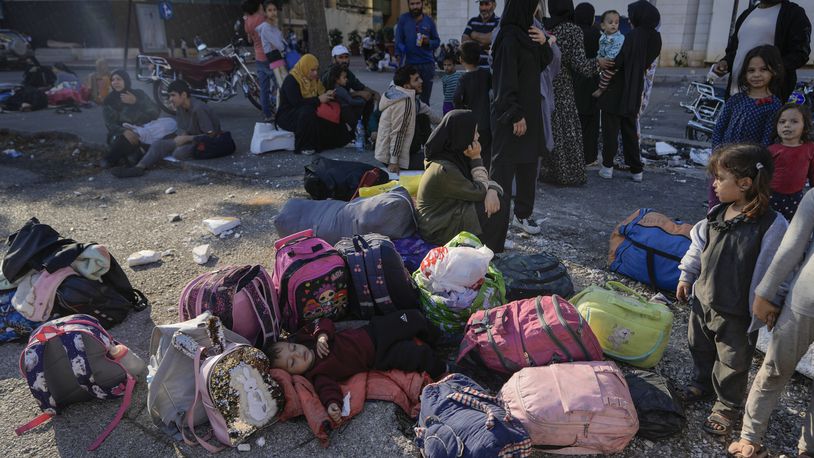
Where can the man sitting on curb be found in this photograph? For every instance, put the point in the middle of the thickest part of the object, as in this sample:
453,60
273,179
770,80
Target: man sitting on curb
193,118
341,56
404,125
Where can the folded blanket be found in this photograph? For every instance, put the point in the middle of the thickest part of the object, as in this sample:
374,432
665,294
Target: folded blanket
399,387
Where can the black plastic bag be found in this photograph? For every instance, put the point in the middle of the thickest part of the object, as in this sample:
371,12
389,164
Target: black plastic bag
661,413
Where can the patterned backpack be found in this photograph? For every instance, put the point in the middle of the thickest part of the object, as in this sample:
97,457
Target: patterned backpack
69,360
241,296
233,382
310,278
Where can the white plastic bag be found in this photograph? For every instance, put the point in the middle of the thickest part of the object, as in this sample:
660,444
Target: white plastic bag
457,270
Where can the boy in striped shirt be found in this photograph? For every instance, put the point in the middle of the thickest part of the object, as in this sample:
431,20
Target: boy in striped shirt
450,81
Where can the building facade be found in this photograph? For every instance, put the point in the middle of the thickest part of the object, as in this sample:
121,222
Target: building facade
692,31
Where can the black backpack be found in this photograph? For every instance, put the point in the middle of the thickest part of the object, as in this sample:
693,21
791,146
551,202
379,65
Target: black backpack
660,411
532,275
381,283
39,247
332,179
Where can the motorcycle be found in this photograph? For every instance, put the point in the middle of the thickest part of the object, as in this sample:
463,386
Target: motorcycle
216,76
705,105
803,94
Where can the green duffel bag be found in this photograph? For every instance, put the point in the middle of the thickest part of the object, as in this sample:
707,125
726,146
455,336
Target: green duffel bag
452,321
629,328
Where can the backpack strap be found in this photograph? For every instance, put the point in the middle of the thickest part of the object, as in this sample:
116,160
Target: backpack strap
190,417
128,396
375,275
361,281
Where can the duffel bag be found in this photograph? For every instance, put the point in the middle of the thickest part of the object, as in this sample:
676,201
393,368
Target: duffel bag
532,275
660,411
647,247
581,408
629,328
332,179
459,419
381,284
529,332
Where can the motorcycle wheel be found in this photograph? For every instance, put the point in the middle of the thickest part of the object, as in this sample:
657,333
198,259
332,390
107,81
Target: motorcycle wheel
161,97
698,135
251,89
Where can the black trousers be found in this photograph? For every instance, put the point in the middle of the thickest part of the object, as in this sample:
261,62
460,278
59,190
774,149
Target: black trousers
485,140
393,337
612,125
590,135
423,129
496,227
722,353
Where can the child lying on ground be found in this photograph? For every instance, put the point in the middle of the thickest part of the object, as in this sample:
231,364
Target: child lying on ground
326,357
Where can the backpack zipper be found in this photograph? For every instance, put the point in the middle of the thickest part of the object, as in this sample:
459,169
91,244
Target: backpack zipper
558,311
548,330
530,362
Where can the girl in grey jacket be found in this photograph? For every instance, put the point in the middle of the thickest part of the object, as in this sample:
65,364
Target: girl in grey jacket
729,254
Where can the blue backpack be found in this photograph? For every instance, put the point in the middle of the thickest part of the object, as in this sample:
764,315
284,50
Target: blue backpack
648,246
459,419
13,325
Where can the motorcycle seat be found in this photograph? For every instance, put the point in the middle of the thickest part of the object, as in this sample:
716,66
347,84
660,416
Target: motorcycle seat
195,67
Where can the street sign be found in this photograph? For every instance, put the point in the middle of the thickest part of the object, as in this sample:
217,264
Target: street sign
165,10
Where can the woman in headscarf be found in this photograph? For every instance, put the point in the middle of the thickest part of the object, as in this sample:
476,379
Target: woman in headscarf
585,17
455,193
622,100
565,165
300,96
520,53
125,105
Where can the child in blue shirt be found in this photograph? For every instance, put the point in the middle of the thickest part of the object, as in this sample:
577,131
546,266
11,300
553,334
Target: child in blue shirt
610,43
450,82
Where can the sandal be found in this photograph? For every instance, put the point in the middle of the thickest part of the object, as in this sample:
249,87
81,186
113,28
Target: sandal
739,450
692,393
718,424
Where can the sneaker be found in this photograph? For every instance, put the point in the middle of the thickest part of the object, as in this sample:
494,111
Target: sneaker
127,172
606,172
637,177
308,152
528,225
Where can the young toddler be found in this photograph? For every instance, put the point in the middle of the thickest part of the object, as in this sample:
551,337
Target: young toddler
450,81
326,357
610,43
793,156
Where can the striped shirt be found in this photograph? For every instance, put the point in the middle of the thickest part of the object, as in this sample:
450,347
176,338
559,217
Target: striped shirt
450,82
477,24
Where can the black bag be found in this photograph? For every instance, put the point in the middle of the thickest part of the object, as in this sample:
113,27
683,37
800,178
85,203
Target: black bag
660,411
213,146
27,94
381,283
534,275
332,179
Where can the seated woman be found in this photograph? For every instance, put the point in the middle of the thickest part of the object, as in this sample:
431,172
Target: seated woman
125,105
455,193
301,94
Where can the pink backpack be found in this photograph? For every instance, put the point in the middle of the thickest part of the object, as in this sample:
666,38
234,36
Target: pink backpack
241,296
528,332
310,278
583,407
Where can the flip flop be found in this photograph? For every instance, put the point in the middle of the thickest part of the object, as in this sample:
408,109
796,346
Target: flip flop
692,393
718,419
739,450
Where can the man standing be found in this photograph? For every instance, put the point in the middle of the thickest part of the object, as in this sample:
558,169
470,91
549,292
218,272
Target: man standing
193,118
479,29
416,40
341,56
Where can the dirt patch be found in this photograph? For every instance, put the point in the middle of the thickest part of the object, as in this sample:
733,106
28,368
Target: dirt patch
55,156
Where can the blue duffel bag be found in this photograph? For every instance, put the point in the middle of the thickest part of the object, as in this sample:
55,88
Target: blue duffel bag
459,419
648,246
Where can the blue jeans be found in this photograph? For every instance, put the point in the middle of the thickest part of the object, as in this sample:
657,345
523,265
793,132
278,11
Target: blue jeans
264,74
427,74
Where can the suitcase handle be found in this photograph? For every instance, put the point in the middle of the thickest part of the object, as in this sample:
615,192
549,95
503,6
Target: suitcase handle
620,287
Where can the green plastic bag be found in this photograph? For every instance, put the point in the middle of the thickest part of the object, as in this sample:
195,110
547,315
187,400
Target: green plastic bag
492,293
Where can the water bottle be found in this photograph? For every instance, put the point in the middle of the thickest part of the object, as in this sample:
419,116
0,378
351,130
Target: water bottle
360,136
128,359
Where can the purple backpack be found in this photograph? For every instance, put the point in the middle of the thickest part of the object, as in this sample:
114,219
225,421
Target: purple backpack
310,278
241,296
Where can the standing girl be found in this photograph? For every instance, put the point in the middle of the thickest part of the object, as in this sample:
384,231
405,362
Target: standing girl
747,115
730,251
273,47
793,157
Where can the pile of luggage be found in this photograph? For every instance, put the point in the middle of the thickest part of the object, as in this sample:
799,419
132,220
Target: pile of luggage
508,315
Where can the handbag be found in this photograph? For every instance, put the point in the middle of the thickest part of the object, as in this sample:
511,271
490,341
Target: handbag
215,145
330,111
